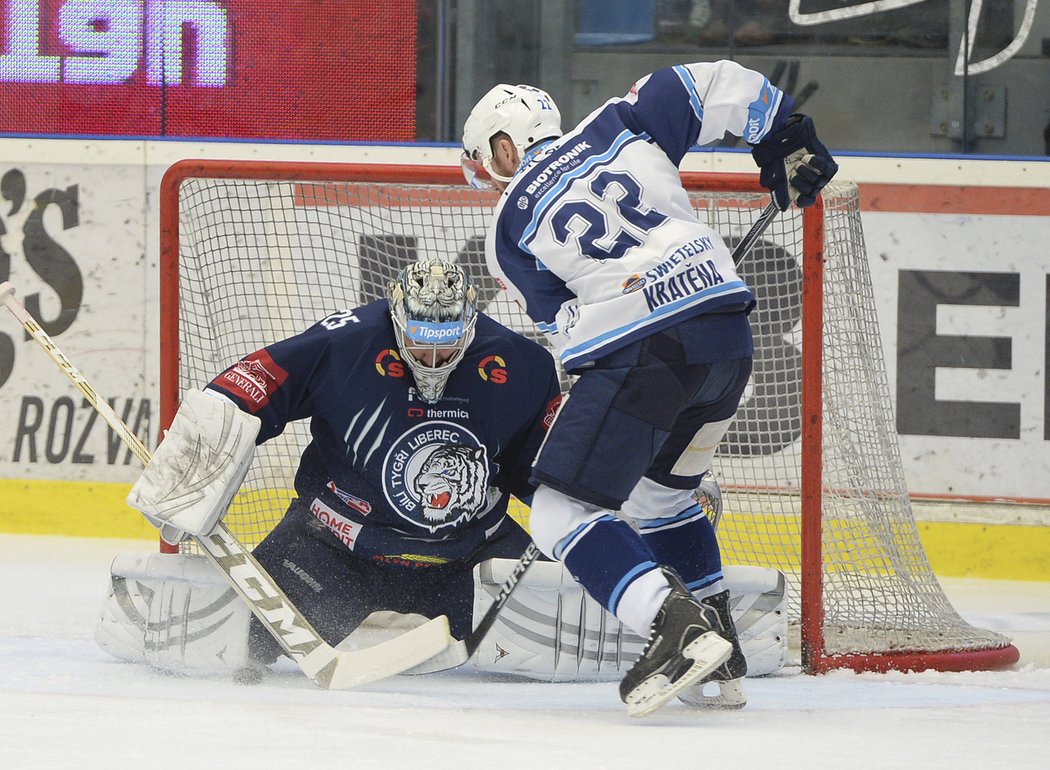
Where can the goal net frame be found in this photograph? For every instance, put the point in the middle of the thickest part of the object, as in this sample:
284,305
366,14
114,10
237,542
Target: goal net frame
820,230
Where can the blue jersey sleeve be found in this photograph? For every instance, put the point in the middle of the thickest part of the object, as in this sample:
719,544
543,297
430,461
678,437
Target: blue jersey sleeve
539,292
278,383
697,104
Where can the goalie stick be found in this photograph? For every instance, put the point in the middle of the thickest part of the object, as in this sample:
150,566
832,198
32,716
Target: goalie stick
329,667
461,650
472,642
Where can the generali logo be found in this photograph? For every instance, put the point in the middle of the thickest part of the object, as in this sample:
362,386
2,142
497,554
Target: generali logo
552,411
253,379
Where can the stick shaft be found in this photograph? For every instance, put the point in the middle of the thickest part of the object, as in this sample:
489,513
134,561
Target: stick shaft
268,602
476,637
44,340
759,227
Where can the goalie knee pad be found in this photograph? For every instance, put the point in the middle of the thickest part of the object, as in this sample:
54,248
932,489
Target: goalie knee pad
758,606
173,612
551,630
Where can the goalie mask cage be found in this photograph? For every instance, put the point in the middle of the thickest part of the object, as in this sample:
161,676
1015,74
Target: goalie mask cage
811,471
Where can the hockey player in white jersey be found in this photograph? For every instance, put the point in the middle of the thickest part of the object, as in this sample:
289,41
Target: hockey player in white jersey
594,236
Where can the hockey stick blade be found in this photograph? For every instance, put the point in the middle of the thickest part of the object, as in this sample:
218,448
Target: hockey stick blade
329,667
759,227
461,650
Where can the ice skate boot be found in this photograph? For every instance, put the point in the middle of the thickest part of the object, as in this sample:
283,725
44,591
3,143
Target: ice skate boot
684,645
723,688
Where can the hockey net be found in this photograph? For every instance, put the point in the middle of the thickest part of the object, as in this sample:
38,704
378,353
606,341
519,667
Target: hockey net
811,471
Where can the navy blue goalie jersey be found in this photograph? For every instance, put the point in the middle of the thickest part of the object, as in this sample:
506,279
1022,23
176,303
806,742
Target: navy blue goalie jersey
386,472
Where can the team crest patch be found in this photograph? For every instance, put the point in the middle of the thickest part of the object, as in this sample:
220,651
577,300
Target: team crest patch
436,475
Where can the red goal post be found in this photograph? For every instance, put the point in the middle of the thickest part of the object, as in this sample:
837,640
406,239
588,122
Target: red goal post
252,252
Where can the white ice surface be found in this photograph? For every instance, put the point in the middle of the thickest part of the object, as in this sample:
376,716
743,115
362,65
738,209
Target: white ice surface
66,704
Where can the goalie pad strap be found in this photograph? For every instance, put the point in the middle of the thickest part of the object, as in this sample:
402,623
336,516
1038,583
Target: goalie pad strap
551,630
198,467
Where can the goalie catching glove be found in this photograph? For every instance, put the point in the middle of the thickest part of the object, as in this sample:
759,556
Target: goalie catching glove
795,165
198,467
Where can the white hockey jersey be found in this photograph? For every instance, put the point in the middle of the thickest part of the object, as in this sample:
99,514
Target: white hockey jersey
595,236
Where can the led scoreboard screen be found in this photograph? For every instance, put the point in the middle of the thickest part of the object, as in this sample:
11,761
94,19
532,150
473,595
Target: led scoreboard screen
251,69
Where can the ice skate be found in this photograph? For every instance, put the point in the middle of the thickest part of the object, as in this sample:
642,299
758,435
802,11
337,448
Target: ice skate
723,688
684,645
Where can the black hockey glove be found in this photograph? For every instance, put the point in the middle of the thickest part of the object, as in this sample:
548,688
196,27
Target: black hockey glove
794,164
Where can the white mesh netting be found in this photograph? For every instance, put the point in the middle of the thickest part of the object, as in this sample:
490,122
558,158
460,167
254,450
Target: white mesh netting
261,259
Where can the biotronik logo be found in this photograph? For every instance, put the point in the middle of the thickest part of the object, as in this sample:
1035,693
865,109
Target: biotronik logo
436,475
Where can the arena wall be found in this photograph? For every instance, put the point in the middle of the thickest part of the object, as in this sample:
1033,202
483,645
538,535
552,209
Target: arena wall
957,249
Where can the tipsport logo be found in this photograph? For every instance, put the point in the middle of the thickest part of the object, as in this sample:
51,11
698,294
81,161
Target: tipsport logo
434,332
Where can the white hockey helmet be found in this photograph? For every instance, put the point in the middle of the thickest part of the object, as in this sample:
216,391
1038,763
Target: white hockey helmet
526,114
433,305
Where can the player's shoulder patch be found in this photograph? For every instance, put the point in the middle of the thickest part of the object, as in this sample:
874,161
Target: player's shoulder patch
502,355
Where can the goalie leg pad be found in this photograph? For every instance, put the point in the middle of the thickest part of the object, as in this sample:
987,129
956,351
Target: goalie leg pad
758,605
174,612
551,630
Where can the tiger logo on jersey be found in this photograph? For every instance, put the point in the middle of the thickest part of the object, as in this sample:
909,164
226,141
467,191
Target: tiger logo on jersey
436,475
451,479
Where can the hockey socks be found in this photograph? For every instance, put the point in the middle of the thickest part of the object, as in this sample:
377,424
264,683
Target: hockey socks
685,541
617,569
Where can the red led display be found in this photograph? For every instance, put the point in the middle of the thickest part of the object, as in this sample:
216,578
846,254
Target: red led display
265,69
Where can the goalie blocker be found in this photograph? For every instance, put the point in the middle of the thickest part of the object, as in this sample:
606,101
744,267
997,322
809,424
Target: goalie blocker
174,612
